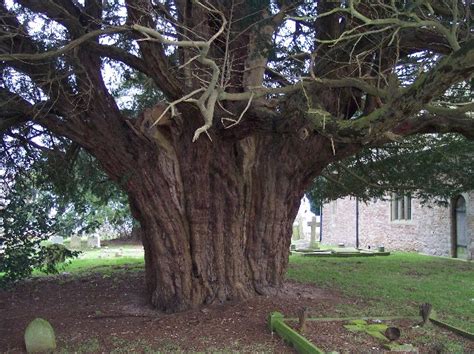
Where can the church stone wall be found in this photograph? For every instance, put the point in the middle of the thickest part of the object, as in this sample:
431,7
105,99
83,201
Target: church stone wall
429,230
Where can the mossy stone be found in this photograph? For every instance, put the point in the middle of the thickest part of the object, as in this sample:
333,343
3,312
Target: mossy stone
39,336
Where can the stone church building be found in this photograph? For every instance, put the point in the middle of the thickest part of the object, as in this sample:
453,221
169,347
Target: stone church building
402,224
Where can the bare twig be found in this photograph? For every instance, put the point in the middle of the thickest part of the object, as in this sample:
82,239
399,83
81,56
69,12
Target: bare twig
237,121
185,98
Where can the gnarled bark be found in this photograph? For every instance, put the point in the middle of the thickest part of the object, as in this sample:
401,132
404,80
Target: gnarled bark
216,218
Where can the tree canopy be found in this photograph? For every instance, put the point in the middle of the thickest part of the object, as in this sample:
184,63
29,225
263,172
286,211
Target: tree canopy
289,40
431,168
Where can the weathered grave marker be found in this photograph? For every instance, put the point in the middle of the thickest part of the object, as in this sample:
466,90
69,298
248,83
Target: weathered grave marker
93,241
313,224
75,242
295,235
57,240
39,336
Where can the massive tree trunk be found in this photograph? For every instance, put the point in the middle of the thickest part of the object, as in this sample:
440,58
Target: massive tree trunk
216,217
216,222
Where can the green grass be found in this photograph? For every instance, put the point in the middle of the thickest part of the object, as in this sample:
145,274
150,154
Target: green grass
395,285
104,261
103,265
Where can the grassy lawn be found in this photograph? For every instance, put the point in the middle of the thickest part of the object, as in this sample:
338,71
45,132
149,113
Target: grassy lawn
101,260
395,285
104,260
106,266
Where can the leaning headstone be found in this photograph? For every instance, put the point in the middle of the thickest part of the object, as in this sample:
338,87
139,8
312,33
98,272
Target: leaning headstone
39,336
93,241
57,240
75,242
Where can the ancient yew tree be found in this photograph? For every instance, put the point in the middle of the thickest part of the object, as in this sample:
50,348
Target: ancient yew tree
257,97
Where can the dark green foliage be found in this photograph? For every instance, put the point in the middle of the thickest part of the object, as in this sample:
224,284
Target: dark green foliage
139,89
52,255
50,187
26,221
87,198
428,167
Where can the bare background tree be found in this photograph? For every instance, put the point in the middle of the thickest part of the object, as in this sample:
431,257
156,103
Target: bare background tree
259,95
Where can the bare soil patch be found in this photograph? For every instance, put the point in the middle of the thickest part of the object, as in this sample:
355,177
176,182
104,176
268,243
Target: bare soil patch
109,313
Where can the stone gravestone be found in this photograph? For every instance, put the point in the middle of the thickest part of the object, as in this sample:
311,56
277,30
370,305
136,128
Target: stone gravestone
300,222
93,241
39,337
59,240
296,232
75,242
313,224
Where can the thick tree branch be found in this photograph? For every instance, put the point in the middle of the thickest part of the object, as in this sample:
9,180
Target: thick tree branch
430,122
260,39
139,13
456,110
277,77
261,91
403,103
118,54
62,50
13,110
